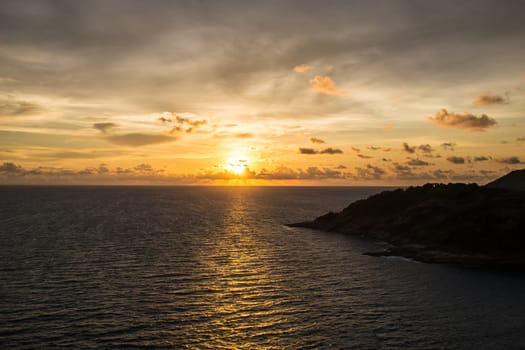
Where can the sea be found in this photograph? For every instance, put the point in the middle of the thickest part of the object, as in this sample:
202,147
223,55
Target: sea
217,268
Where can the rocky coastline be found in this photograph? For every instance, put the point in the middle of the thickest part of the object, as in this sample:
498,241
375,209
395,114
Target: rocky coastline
457,223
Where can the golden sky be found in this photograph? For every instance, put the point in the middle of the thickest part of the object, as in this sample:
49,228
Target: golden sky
264,93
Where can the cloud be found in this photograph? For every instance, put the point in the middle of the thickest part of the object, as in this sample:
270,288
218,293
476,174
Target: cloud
520,139
104,127
363,156
403,171
316,140
341,167
164,120
448,145
488,100
425,148
418,162
326,85
328,150
408,148
139,139
355,149
456,160
480,159
311,173
307,150
302,68
10,168
465,121
181,122
239,135
331,150
143,168
373,148
510,160
11,107
243,135
369,173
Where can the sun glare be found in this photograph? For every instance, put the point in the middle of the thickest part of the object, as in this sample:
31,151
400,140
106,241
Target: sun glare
236,165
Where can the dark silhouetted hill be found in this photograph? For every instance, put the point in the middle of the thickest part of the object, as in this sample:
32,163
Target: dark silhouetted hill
514,180
457,223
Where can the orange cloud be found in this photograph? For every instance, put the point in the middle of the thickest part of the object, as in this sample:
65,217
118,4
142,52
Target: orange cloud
466,121
302,68
326,85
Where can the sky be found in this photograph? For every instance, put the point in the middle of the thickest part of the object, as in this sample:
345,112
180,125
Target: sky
261,92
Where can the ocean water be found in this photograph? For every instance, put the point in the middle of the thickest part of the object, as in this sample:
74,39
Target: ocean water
215,268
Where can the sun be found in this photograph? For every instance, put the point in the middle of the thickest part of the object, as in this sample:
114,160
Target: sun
237,165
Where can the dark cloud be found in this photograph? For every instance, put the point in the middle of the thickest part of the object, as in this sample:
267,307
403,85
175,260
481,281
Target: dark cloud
331,150
456,160
181,123
328,150
425,148
104,127
510,160
418,162
355,149
10,168
18,174
520,139
363,156
448,145
11,107
480,159
144,168
139,139
311,173
408,149
464,121
307,150
316,140
373,148
341,167
487,100
164,120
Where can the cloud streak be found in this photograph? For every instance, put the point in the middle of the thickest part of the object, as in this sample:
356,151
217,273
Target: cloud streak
489,100
11,107
139,139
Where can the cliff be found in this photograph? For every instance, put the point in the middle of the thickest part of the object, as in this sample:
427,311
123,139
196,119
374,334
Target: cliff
456,223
